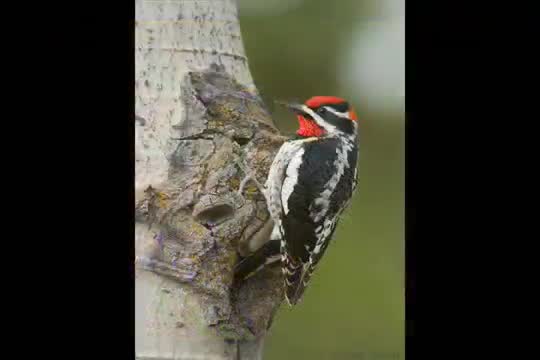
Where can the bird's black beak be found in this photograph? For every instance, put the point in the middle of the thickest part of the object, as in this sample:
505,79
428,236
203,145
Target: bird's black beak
298,109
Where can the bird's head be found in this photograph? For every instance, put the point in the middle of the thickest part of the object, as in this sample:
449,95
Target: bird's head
325,115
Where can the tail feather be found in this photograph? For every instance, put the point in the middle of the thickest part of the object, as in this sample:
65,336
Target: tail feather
299,276
296,280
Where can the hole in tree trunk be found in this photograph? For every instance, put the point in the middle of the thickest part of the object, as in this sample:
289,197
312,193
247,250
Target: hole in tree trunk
241,140
215,214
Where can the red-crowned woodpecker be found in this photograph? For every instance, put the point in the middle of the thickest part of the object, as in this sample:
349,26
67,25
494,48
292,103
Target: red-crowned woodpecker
309,185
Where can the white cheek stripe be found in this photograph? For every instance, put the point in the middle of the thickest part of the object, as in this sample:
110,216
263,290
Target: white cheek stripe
331,129
337,113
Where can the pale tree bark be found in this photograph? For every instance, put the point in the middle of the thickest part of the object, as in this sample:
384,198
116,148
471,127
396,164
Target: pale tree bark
198,116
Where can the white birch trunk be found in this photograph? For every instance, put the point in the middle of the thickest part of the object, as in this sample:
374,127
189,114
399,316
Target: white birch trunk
197,112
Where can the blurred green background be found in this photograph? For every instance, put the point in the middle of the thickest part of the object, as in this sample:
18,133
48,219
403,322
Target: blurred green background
354,307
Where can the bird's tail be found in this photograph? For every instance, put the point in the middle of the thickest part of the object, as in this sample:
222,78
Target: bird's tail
296,279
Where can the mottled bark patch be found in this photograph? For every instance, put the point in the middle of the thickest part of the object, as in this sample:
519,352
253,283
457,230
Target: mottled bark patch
199,219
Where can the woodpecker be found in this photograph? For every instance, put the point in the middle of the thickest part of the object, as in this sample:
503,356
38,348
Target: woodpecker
310,183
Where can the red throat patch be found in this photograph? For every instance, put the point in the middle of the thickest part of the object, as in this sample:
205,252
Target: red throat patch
308,128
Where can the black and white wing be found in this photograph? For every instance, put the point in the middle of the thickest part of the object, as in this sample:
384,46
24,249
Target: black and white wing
271,251
317,188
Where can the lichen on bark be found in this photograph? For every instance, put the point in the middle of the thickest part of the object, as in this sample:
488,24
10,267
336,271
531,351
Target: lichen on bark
197,222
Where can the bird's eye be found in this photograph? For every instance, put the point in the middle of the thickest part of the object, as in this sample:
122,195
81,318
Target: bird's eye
321,110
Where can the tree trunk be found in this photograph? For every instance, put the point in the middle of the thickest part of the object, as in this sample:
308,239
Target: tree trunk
198,116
